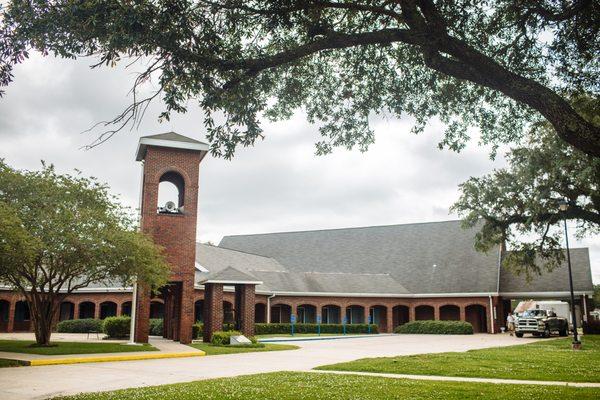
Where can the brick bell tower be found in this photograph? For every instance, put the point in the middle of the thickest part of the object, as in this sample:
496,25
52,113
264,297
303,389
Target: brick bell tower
170,157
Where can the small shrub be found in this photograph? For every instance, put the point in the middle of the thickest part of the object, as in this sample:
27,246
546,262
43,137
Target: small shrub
79,325
591,327
436,327
117,327
271,329
156,327
197,330
221,338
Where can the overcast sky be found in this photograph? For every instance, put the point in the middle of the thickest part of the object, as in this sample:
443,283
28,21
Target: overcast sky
278,185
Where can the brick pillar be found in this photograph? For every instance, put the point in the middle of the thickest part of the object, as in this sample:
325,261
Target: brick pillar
118,309
11,315
411,313
97,310
187,311
213,309
463,314
389,314
436,312
245,297
367,314
142,314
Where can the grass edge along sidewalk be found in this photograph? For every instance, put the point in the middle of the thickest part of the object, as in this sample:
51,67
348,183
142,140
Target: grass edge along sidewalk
544,360
212,350
67,348
307,385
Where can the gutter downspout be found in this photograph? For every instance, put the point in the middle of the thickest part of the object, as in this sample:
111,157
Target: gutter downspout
269,308
492,313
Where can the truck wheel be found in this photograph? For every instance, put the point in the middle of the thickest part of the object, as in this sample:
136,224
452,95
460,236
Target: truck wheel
519,334
546,333
563,332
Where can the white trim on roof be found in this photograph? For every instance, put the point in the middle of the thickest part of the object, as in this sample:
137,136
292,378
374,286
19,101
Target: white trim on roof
546,294
227,282
140,153
393,295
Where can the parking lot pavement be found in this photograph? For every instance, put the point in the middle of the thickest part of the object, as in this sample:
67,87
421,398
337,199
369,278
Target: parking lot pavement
47,381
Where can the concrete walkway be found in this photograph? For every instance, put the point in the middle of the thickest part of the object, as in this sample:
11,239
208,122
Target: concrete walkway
462,379
46,381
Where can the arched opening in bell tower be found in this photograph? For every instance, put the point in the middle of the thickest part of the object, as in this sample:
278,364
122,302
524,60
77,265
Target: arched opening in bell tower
171,193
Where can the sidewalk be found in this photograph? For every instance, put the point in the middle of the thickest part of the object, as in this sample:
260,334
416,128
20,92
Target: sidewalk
461,379
166,349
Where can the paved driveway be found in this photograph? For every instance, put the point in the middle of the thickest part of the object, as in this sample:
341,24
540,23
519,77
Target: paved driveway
43,382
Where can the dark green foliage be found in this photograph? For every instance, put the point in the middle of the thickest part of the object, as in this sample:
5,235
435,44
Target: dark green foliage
591,327
156,326
269,329
117,327
518,205
496,66
221,338
80,326
436,327
198,327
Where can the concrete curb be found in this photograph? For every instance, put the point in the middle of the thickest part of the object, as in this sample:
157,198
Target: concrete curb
111,358
310,338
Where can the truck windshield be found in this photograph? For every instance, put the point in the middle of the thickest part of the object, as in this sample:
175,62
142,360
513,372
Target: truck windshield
534,313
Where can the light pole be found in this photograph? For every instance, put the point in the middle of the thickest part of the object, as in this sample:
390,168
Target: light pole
564,205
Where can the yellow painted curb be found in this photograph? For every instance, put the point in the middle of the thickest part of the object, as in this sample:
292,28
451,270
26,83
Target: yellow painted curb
128,357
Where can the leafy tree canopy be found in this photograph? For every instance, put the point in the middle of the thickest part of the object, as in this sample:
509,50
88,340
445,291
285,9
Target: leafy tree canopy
495,65
519,204
60,233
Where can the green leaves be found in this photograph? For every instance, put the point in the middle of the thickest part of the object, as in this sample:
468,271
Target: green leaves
518,205
493,66
64,232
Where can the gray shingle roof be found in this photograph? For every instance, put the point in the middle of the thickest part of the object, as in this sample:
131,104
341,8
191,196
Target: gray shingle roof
173,136
436,257
554,281
230,275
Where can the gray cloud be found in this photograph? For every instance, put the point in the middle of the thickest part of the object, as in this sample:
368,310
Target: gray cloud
278,185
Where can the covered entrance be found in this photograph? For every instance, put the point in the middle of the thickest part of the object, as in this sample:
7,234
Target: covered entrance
244,310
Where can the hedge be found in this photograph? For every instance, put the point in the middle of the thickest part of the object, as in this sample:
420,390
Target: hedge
156,326
591,327
117,327
80,325
270,329
436,327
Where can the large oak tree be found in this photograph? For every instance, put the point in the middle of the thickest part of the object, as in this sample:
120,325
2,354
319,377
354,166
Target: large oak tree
60,233
495,65
518,206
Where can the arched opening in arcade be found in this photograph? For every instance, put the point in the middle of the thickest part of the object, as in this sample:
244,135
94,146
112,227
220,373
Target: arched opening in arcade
22,320
87,309
424,312
378,316
4,314
400,315
260,313
307,314
331,314
281,313
476,314
67,311
108,309
450,312
355,314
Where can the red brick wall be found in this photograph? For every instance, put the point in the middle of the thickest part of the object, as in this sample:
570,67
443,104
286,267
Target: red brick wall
175,232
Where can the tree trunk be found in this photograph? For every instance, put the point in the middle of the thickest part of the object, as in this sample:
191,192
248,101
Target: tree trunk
43,314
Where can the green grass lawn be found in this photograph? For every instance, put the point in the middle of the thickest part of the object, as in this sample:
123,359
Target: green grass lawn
212,350
4,363
547,360
60,348
288,386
